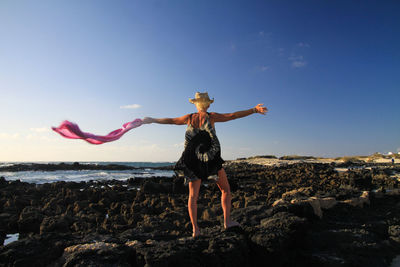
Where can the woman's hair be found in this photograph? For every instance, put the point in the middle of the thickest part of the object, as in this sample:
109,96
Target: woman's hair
203,105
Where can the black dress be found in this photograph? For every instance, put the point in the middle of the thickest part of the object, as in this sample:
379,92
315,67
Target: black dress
201,158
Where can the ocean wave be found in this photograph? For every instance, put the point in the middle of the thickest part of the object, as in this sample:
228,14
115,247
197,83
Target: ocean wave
6,164
40,177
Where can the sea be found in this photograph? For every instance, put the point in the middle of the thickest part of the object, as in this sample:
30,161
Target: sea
40,177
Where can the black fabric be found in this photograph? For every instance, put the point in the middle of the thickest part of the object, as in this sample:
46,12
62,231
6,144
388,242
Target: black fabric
199,141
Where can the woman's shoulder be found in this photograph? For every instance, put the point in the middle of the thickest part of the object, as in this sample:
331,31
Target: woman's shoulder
214,115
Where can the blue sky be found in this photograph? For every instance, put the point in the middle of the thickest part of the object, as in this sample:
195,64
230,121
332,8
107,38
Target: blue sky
329,72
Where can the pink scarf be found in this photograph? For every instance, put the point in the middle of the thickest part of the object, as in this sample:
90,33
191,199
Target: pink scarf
71,130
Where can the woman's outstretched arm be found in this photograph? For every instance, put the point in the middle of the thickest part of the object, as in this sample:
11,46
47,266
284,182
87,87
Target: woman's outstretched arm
178,121
218,117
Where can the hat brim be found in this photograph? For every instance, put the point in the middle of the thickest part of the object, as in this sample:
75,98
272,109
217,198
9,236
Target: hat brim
194,100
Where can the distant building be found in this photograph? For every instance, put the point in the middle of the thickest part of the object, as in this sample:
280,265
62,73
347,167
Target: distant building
390,153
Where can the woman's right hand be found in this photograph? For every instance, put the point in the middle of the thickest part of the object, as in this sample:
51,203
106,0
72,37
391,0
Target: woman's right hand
147,120
260,109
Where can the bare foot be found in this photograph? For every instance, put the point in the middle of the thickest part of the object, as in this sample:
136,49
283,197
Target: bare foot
196,233
231,224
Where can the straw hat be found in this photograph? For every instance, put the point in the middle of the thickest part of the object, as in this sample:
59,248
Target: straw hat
201,97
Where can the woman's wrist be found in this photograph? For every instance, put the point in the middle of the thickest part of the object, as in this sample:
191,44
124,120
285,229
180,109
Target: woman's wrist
148,120
254,110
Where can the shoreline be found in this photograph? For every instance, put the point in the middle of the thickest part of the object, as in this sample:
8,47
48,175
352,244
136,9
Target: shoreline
303,214
257,160
17,167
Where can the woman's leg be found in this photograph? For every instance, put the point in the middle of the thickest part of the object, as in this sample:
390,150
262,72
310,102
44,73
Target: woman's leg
194,188
226,198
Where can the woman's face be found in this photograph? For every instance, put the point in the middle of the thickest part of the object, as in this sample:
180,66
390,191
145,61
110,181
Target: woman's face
202,106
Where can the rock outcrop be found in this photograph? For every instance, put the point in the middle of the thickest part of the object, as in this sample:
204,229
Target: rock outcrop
295,215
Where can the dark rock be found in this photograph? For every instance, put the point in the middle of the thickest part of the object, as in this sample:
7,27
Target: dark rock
30,220
151,225
3,181
394,232
135,181
57,224
8,223
280,232
33,250
98,254
155,188
63,166
178,186
214,248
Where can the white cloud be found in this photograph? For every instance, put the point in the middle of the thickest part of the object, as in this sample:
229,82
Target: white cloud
132,106
35,137
299,64
297,61
9,136
262,68
40,130
264,35
179,145
301,44
46,138
296,58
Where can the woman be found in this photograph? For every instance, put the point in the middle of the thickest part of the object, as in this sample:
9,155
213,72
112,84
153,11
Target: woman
201,158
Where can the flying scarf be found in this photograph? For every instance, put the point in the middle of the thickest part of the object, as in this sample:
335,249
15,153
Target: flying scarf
71,130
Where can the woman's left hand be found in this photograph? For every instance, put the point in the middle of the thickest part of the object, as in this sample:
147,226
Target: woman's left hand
261,109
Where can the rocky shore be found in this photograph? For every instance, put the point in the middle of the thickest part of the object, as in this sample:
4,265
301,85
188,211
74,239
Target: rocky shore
301,214
76,166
